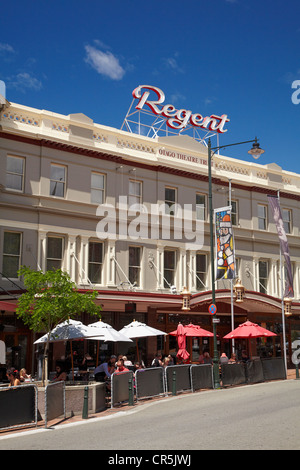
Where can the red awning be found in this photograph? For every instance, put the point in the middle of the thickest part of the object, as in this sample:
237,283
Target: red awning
8,306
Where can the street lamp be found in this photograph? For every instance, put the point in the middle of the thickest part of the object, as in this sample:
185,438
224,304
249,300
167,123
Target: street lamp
256,151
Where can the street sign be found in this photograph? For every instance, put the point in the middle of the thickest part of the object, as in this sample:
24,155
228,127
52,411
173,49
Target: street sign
212,309
216,320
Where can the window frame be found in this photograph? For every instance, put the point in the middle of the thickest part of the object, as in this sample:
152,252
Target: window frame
12,254
62,251
263,290
173,270
265,218
199,285
98,189
135,267
139,197
96,263
289,221
203,208
16,174
173,203
64,182
234,213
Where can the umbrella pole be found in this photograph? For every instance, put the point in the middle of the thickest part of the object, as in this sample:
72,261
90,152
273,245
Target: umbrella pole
72,361
97,361
137,350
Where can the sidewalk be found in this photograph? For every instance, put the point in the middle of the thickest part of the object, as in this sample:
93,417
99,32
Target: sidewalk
291,375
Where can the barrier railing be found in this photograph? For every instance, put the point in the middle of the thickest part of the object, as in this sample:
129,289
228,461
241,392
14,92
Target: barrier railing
120,387
258,370
149,382
183,378
201,376
55,401
18,406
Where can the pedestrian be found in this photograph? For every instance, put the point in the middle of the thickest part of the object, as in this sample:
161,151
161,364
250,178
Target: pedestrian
206,358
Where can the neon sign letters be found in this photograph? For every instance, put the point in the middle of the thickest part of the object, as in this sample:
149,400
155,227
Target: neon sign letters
177,118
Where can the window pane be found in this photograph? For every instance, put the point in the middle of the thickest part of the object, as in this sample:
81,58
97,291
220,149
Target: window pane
11,245
53,264
95,252
57,173
261,211
201,263
134,275
263,269
169,259
54,249
97,181
14,182
134,256
15,165
95,273
170,194
135,188
97,196
57,188
10,266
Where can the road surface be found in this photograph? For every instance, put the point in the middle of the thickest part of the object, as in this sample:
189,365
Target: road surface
261,416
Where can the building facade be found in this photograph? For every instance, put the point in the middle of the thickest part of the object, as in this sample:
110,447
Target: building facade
69,188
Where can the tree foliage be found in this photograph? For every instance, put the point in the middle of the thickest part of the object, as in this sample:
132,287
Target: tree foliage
52,298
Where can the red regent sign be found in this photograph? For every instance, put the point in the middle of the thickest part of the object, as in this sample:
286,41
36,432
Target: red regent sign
177,118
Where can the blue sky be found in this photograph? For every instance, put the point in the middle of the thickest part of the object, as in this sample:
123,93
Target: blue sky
235,57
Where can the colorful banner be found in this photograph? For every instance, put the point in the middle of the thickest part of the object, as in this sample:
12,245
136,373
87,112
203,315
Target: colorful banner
275,206
225,258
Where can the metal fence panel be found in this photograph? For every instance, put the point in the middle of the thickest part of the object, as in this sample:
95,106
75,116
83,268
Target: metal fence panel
183,379
254,371
201,376
18,406
273,368
233,374
149,382
55,401
119,387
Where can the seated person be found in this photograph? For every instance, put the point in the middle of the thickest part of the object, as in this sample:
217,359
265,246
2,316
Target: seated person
13,377
24,376
61,374
121,367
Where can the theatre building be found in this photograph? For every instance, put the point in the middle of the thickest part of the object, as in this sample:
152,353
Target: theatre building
67,190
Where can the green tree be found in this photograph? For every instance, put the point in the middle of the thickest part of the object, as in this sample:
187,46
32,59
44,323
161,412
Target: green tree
50,299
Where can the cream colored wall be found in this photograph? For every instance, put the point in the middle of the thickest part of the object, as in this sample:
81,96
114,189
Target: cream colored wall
37,214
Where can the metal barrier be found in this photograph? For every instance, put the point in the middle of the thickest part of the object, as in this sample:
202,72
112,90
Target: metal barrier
18,406
55,401
149,382
183,378
119,387
202,376
233,374
273,368
254,371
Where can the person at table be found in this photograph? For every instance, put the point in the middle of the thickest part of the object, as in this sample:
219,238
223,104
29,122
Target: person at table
245,356
206,358
105,370
24,376
61,374
121,367
232,359
13,377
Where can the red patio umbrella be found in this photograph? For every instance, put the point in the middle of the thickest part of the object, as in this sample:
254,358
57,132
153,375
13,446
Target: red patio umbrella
194,330
181,335
249,330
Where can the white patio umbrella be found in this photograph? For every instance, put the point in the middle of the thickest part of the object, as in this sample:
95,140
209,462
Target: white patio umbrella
69,330
137,330
108,332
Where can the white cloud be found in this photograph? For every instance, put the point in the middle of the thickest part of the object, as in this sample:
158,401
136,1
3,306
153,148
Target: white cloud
105,63
23,81
6,47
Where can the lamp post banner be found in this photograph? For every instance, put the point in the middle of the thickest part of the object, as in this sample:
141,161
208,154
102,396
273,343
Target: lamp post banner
275,207
225,253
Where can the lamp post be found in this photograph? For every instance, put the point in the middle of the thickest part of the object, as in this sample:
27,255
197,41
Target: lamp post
256,151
